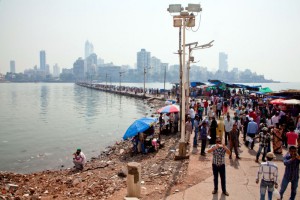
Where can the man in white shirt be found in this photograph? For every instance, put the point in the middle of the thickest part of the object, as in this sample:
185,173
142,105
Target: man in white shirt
167,122
228,123
275,119
79,159
192,115
269,172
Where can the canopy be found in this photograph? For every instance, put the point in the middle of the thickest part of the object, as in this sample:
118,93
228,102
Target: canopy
277,101
194,84
265,90
138,126
291,102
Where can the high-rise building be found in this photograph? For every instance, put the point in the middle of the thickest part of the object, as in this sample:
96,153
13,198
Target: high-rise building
89,49
43,60
12,65
78,69
143,60
91,64
223,65
56,70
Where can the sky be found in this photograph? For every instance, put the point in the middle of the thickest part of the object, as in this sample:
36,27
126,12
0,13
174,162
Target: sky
263,36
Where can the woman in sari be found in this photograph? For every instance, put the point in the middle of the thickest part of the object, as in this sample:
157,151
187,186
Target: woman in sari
277,139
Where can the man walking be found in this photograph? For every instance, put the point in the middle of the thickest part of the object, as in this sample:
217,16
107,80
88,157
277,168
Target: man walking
203,137
269,172
234,141
196,130
218,165
228,123
252,129
264,140
291,174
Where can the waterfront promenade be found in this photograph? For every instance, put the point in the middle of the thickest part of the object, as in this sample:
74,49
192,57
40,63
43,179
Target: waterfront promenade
240,174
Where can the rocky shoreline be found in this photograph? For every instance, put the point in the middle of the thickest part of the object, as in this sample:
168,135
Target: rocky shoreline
104,177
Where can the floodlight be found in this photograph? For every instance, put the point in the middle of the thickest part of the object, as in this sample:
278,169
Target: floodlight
191,22
177,22
173,8
193,7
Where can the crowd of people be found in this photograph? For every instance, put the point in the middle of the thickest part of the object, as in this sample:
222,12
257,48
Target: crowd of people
259,122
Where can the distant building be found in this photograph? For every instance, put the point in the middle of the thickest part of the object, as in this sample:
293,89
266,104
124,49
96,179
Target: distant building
78,69
12,65
223,65
91,64
89,49
112,72
155,65
67,71
143,60
56,70
100,61
47,69
43,60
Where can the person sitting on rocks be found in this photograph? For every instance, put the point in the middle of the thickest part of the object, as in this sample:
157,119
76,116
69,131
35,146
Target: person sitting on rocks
79,159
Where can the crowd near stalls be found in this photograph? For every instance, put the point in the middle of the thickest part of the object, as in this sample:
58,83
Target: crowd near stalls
252,116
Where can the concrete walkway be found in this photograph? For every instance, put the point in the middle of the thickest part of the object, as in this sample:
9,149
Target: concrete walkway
240,177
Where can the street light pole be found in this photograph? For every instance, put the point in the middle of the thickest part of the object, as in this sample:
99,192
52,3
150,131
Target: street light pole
185,19
191,59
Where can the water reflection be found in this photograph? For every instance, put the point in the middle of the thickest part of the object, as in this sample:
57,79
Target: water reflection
44,98
13,98
92,99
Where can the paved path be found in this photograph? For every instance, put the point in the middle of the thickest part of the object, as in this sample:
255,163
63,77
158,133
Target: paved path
240,177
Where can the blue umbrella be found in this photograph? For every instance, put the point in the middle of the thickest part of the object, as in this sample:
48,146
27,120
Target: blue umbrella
139,125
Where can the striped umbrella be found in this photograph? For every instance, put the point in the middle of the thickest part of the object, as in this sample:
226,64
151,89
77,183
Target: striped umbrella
169,109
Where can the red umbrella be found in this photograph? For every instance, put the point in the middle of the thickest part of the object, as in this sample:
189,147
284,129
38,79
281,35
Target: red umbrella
277,101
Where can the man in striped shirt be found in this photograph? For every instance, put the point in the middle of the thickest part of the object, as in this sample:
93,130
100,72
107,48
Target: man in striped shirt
269,172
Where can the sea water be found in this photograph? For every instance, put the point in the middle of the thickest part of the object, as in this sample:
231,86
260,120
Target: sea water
42,124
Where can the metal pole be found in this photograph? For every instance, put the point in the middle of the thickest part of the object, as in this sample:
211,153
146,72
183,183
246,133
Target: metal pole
180,75
144,80
120,80
188,79
165,81
106,81
182,85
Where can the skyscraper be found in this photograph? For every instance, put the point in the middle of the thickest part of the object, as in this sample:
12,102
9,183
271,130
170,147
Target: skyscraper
89,49
223,65
143,60
78,69
12,66
56,71
42,60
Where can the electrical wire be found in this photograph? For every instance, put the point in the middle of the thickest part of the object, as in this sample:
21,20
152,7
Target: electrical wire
198,25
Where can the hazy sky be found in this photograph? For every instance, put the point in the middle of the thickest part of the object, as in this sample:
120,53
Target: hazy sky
261,35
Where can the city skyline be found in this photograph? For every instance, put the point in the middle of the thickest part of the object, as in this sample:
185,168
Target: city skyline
252,33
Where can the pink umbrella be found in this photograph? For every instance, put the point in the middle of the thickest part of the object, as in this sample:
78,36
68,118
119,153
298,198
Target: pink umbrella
277,101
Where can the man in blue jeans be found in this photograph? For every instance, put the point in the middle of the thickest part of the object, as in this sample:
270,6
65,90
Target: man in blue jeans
269,172
291,174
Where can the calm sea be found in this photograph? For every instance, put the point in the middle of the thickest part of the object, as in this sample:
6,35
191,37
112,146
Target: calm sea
42,124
